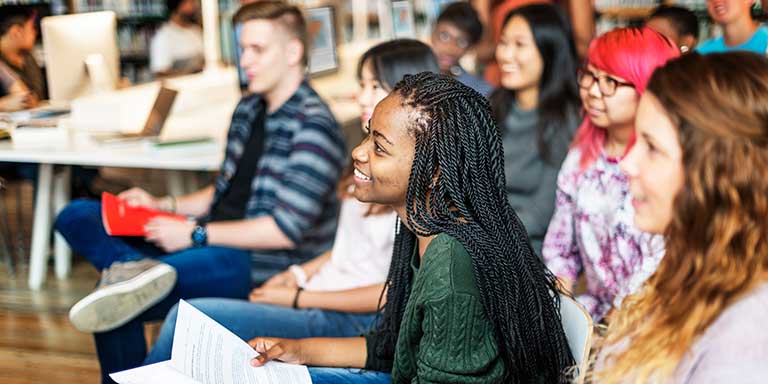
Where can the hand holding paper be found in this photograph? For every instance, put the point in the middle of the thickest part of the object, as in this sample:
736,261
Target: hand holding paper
272,348
206,352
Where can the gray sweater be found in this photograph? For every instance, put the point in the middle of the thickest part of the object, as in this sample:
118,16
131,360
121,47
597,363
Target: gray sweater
733,350
531,179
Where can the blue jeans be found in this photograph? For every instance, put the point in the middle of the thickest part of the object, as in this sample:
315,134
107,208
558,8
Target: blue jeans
248,320
201,272
347,376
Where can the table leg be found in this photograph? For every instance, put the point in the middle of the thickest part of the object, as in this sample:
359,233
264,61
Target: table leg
41,227
175,183
61,193
191,183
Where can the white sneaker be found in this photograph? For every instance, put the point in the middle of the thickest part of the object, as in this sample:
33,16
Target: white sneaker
126,289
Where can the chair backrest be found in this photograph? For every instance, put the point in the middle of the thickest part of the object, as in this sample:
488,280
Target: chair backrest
577,324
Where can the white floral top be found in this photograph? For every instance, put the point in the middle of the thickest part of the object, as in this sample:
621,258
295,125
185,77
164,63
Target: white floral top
592,231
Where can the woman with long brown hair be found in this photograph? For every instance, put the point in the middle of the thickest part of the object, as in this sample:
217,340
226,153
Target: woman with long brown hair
699,175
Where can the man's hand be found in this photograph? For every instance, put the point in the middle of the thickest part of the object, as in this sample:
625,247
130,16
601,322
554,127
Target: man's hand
282,296
283,279
270,348
15,102
169,234
139,197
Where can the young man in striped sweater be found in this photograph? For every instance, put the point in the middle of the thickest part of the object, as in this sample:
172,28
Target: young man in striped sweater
272,205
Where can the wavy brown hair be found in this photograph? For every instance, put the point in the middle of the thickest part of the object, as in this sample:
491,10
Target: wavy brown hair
717,240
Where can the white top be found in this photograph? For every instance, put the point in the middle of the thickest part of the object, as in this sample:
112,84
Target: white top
176,47
361,251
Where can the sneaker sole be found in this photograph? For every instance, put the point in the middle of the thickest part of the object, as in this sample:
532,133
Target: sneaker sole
115,305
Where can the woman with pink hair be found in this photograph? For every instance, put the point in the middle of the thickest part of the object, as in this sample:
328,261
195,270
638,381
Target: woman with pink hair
592,230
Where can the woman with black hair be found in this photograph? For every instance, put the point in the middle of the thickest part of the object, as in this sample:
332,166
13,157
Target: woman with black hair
336,293
468,300
537,108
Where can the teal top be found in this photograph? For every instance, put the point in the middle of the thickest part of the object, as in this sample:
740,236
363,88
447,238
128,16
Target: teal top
758,43
445,335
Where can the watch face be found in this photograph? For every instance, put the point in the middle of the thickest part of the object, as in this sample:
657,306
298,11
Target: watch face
199,235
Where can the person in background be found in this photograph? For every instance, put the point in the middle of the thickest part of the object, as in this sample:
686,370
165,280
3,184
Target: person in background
493,13
21,75
272,205
15,95
537,107
679,24
457,31
467,300
177,47
700,179
337,293
740,31
592,231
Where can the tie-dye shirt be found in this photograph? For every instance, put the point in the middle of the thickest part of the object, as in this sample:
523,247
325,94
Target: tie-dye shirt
592,231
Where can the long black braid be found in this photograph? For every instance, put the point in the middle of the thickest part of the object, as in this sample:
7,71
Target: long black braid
459,157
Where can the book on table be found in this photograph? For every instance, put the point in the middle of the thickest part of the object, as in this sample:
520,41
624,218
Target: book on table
205,352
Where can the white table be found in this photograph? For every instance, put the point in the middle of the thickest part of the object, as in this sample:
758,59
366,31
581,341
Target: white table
79,149
209,117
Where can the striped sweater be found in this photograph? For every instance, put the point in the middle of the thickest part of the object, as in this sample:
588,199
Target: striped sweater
296,176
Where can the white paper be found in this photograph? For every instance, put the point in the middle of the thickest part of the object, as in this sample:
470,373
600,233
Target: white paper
154,373
205,352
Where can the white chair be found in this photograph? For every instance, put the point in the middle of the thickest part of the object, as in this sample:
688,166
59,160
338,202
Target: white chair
577,324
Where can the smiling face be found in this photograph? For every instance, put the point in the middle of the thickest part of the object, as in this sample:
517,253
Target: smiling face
654,166
518,57
728,11
371,93
384,159
607,111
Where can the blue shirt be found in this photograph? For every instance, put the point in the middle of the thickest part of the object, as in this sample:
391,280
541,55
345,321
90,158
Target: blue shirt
296,176
758,43
477,83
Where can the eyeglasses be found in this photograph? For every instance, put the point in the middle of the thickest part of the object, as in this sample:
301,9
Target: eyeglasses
606,84
446,37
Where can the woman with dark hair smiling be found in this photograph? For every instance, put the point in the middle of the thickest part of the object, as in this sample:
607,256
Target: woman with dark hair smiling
337,292
468,300
537,108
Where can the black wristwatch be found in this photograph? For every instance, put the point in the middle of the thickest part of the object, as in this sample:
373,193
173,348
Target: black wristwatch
200,235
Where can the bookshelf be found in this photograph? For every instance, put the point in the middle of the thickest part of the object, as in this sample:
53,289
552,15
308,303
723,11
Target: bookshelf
137,23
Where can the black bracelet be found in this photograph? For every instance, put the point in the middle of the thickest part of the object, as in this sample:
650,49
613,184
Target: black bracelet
296,298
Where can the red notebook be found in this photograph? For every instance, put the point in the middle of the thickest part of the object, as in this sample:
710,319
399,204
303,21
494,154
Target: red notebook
120,219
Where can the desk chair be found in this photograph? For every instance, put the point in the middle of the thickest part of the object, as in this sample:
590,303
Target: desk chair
577,325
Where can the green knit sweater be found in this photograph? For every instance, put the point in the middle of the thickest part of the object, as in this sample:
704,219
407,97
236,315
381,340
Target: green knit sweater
445,336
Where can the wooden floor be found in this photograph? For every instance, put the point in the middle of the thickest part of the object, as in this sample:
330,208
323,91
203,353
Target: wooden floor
37,342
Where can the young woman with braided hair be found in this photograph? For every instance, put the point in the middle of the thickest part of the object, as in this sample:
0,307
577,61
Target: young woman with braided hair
468,300
335,294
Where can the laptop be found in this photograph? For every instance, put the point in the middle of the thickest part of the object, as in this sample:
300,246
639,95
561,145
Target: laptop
152,127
